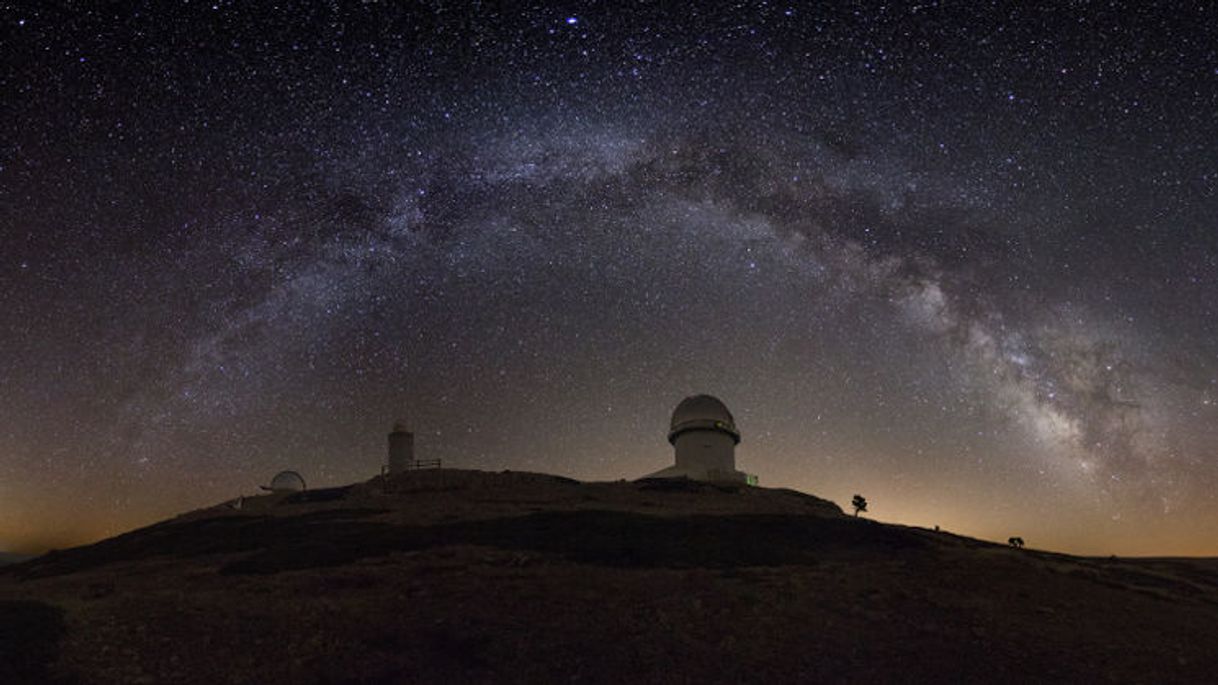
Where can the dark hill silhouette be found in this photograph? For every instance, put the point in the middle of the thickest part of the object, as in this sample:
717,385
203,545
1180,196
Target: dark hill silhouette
11,558
462,576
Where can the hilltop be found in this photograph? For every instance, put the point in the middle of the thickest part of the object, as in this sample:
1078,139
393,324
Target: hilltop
467,576
11,558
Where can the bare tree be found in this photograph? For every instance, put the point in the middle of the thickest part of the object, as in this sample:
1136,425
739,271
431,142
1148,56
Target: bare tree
859,503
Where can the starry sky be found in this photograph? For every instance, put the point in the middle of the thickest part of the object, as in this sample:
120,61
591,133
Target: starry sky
958,257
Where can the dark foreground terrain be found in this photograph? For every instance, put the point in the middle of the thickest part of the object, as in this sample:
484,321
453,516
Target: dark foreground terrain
462,576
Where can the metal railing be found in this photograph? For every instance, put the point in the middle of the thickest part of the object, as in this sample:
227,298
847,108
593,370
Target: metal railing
416,465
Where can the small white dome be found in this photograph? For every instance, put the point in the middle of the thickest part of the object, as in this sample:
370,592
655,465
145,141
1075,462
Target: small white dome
287,481
702,412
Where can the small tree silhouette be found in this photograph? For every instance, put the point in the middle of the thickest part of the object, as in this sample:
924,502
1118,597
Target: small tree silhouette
859,503
1016,542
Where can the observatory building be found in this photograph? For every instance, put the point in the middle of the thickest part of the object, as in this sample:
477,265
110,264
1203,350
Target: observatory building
704,436
286,481
401,449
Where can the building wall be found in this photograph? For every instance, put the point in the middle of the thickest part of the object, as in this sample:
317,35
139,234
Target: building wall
401,451
704,450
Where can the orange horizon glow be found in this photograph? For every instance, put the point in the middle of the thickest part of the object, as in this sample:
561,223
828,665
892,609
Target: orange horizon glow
884,506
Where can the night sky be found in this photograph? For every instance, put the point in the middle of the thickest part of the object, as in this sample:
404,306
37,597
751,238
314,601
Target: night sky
959,258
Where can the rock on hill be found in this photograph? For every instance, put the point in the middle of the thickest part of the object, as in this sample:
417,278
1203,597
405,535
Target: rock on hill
465,576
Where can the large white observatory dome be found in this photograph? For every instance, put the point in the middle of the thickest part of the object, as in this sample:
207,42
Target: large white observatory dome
704,438
702,412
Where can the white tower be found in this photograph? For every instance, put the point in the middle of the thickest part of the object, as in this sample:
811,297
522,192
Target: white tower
401,449
704,437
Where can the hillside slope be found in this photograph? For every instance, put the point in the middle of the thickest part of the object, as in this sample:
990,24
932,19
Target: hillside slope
11,558
464,576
